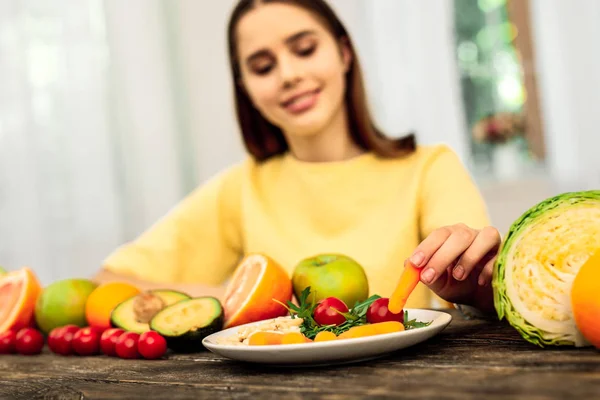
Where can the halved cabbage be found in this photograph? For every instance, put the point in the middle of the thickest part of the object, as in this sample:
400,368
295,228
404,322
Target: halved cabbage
539,258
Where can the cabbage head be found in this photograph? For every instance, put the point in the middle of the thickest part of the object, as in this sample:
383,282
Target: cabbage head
537,262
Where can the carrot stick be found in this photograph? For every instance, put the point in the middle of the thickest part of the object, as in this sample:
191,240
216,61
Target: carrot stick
377,328
407,283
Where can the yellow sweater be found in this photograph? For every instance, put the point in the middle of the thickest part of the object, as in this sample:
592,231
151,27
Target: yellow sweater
371,209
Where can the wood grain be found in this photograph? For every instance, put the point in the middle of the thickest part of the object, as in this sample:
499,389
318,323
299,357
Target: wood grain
469,360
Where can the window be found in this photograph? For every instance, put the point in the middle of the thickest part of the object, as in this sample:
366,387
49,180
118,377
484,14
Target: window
493,44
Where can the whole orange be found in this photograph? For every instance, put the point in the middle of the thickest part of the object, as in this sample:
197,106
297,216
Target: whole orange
585,300
104,299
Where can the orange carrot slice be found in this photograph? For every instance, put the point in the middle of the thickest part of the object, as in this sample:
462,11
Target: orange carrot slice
325,336
263,338
294,338
408,281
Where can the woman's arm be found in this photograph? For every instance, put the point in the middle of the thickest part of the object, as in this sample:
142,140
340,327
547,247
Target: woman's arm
194,248
459,247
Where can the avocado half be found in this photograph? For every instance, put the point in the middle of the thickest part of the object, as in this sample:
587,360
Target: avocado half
135,313
185,324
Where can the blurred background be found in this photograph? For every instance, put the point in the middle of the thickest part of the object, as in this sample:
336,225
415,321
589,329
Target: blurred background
112,111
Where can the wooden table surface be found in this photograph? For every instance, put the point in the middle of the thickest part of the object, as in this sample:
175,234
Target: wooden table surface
470,359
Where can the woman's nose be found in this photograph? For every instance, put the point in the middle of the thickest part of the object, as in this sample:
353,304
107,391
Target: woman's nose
289,72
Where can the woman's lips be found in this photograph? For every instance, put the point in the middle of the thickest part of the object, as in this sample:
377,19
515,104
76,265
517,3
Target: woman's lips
302,102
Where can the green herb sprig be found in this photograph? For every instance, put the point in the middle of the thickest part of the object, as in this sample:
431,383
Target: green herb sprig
413,323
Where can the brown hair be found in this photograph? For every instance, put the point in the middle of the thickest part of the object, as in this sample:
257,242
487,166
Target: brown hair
264,140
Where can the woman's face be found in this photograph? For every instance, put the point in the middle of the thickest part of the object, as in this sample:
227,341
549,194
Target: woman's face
292,68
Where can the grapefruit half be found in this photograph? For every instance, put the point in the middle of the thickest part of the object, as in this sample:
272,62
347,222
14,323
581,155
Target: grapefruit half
19,291
256,282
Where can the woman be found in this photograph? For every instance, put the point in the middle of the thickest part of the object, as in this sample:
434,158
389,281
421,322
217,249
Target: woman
320,179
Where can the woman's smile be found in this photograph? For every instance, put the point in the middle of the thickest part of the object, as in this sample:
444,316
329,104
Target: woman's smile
302,101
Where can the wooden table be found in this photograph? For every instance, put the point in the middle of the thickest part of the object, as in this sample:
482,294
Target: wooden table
471,359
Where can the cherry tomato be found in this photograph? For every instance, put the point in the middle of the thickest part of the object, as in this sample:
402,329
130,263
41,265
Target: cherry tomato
53,338
378,312
61,338
127,345
152,345
325,313
108,341
7,342
29,341
86,341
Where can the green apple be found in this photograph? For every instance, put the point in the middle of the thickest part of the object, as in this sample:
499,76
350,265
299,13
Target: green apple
331,275
2,271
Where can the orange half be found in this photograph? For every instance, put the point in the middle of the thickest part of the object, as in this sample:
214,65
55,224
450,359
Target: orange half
19,291
256,282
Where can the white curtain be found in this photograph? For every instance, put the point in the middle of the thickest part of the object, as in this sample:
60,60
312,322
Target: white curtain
59,205
568,58
112,111
408,52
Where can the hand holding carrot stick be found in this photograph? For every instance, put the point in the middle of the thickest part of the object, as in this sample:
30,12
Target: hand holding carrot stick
456,263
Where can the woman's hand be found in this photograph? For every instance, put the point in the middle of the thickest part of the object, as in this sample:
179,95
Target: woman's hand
457,264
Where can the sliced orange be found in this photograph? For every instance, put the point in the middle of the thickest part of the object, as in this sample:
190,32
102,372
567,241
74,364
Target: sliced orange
585,300
19,291
250,296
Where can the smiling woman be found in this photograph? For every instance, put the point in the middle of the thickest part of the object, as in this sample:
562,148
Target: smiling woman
321,178
302,75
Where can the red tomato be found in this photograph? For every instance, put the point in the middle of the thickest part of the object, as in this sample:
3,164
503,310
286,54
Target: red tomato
29,341
86,341
60,339
127,345
325,313
152,345
7,342
108,341
53,338
378,312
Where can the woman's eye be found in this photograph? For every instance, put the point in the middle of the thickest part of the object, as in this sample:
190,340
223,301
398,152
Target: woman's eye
306,51
263,69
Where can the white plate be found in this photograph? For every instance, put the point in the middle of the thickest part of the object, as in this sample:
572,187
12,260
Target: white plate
331,352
